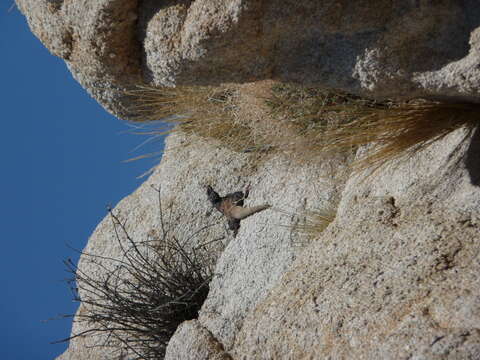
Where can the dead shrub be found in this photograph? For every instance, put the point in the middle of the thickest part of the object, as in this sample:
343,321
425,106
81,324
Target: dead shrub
137,301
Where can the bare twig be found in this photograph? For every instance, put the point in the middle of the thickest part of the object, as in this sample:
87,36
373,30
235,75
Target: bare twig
138,301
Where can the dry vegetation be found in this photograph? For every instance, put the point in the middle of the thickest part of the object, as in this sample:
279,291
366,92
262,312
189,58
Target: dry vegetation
309,223
399,131
202,111
303,122
315,221
141,300
147,294
133,304
338,122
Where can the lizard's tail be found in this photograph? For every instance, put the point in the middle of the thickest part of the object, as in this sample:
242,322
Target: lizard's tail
241,213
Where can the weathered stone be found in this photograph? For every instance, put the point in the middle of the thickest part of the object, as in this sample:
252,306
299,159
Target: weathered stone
96,39
193,342
380,49
398,49
395,276
266,245
267,242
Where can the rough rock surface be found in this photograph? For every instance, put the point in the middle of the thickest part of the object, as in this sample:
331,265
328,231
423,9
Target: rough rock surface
399,49
396,274
97,40
194,342
267,243
394,277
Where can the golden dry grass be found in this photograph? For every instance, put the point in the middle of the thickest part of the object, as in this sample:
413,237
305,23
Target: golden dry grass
314,222
303,122
308,115
309,107
333,122
204,111
308,223
399,131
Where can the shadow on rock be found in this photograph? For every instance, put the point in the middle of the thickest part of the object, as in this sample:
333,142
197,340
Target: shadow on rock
472,161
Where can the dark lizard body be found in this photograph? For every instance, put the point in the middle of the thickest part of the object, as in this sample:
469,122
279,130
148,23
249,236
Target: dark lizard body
231,205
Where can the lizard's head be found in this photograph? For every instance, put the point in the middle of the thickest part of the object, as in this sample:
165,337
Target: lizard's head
212,195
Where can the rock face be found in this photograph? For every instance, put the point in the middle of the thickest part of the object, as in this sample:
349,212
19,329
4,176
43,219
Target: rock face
396,274
267,242
397,49
96,39
195,343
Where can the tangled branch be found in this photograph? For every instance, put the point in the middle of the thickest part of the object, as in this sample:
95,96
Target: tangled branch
139,300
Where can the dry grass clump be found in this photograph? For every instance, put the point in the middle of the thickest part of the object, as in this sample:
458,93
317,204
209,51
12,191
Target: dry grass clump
332,122
308,224
203,111
399,131
136,302
307,114
314,222
309,108
303,121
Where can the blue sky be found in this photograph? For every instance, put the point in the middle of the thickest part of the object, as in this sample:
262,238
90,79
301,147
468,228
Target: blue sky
62,163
